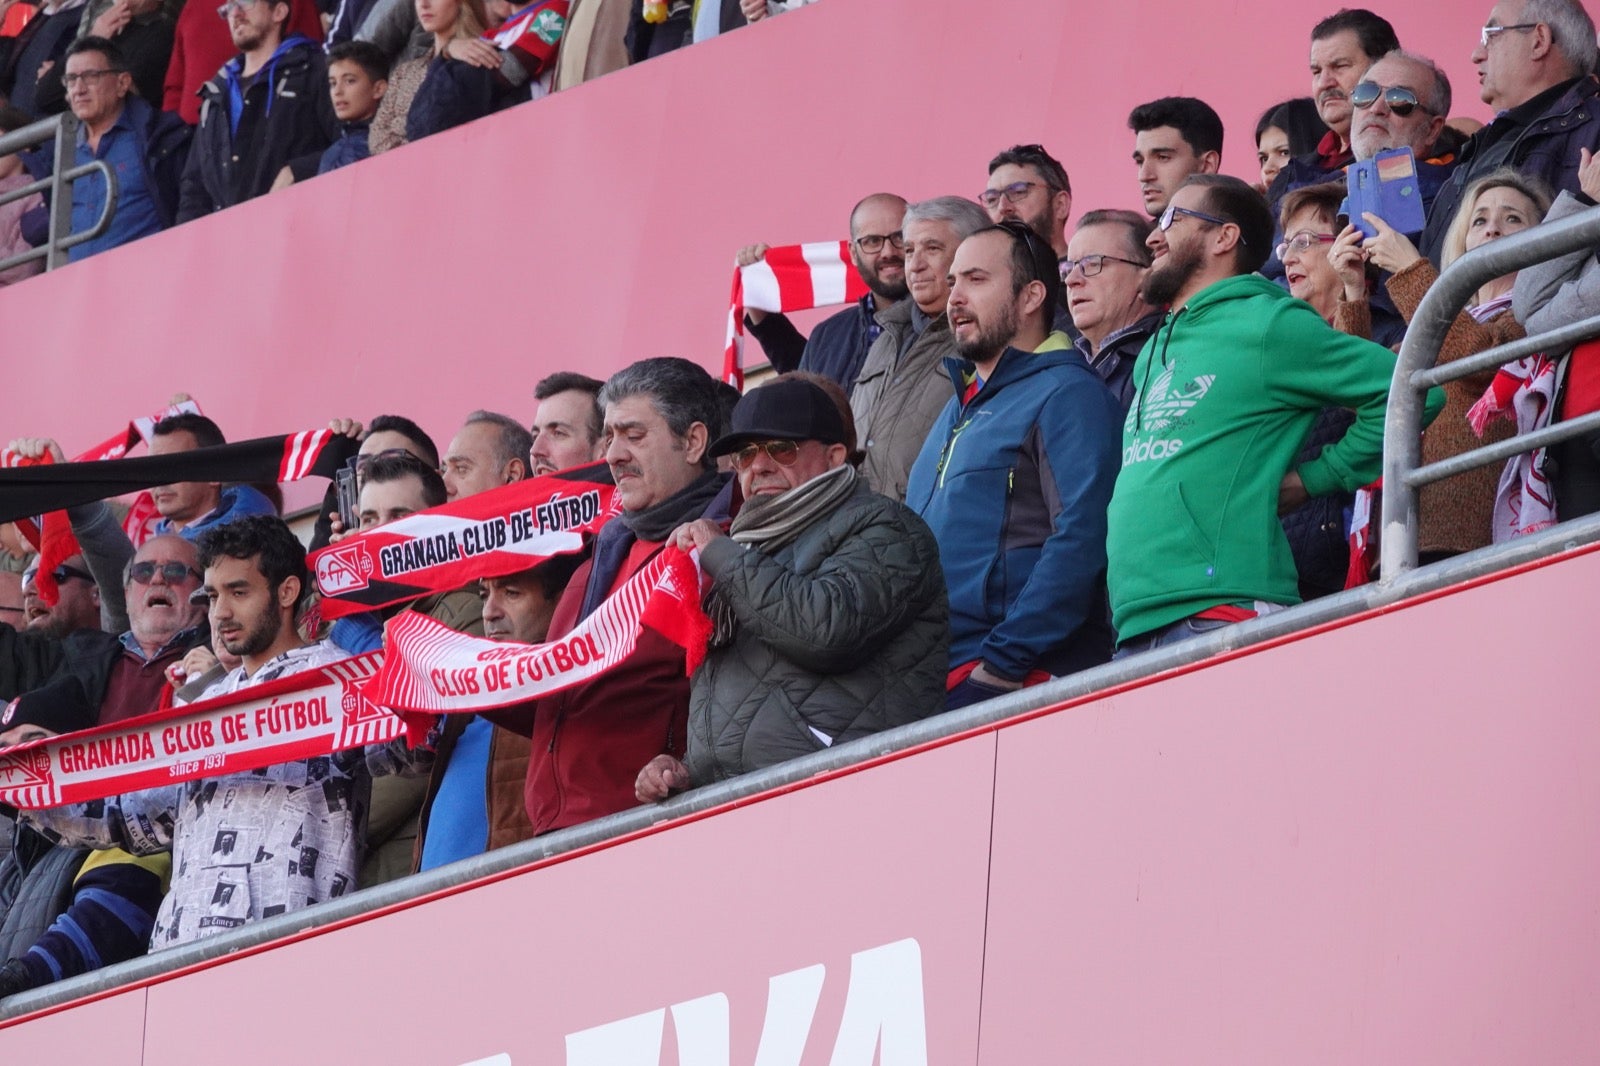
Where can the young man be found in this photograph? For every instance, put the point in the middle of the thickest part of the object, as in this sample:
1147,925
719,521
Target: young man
247,845
567,426
1173,137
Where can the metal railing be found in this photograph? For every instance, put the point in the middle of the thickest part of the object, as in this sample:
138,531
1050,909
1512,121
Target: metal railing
61,133
1415,373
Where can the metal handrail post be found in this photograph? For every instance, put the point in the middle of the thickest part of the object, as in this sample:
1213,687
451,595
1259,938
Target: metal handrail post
65,153
1402,431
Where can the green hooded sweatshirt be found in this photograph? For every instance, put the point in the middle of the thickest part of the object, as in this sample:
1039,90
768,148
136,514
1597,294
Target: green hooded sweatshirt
1227,390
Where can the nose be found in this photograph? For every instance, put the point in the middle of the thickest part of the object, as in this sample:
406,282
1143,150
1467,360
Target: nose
492,611
616,450
1480,54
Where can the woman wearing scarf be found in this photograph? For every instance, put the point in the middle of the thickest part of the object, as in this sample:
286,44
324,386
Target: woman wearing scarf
827,600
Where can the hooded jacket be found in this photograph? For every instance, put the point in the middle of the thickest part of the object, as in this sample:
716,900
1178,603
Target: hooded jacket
1228,389
1014,485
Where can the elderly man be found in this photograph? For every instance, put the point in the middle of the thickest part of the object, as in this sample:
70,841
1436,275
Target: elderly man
1402,102
1103,273
245,845
488,451
1015,476
823,591
1534,59
901,387
589,741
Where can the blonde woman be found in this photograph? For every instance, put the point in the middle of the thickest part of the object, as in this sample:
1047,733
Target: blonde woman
456,82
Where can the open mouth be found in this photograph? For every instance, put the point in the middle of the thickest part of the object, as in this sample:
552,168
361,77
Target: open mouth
160,599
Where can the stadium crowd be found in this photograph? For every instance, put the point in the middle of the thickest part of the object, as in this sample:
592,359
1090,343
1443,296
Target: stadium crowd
1028,448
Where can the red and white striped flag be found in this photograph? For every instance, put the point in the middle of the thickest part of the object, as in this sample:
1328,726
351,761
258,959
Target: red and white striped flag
794,277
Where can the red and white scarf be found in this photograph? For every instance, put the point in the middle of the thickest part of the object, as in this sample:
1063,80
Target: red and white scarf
793,277
1524,390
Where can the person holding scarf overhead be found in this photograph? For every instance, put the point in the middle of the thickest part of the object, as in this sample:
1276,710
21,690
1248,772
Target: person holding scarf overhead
267,106
827,603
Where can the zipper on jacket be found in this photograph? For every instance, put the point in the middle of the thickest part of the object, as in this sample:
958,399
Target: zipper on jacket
949,448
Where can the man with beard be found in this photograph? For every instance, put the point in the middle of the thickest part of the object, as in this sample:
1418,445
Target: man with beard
1227,389
901,388
1028,184
246,845
839,344
828,607
1015,476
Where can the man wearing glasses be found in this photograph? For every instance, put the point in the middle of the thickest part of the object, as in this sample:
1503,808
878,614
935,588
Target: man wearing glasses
1103,275
1227,389
266,106
828,605
838,345
145,147
1534,59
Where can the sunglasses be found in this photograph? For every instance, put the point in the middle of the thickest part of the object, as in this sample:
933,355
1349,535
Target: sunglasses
782,452
171,573
1400,100
65,573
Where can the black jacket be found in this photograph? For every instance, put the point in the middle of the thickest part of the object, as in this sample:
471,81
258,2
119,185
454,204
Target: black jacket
836,349
278,123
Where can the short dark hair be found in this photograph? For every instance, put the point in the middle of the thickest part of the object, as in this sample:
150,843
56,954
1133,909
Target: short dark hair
364,54
1298,119
1199,125
681,392
1377,37
267,538
1137,228
554,574
1230,198
395,467
512,439
1324,199
12,119
410,431
1032,259
570,381
206,433
1033,155
106,47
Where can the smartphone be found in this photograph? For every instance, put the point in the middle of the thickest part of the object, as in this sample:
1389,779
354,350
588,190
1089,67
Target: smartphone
1386,186
349,502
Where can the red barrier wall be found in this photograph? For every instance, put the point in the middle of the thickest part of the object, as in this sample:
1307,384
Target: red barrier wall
598,226
1244,863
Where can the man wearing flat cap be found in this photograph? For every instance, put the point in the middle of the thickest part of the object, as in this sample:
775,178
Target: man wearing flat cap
827,600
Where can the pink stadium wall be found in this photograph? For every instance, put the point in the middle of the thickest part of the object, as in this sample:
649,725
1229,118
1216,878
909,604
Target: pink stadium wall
598,226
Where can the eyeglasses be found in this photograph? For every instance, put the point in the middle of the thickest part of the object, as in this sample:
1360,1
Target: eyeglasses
359,463
233,5
1170,215
86,77
1013,193
1302,241
1093,264
1400,100
171,573
65,573
873,243
1489,33
782,452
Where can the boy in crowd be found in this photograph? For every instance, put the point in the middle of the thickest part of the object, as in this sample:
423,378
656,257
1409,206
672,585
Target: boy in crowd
358,76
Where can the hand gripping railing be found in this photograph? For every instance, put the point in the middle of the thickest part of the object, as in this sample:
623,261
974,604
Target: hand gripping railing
1415,373
63,130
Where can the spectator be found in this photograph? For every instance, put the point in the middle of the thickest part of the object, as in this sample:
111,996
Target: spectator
1402,102
358,76
142,32
202,43
827,605
147,149
1173,137
473,801
13,175
1103,273
590,740
28,59
1456,515
490,450
77,603
244,845
901,387
1556,293
265,107
454,83
388,435
1343,46
189,508
1227,390
1284,131
1028,183
839,344
1336,287
1019,507
65,910
568,426
1535,60
594,43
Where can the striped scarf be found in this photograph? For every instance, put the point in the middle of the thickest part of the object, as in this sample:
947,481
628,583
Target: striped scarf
794,277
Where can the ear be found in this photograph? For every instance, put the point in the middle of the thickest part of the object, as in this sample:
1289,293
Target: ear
1031,298
380,87
1210,162
837,454
124,83
1062,202
1225,239
516,470
1542,43
1435,128
289,592
695,442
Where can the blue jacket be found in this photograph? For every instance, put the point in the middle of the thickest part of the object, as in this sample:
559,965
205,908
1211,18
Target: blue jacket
238,501
351,147
159,144
1015,485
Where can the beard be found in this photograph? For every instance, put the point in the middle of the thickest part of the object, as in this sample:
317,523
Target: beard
884,290
1171,273
992,337
255,639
